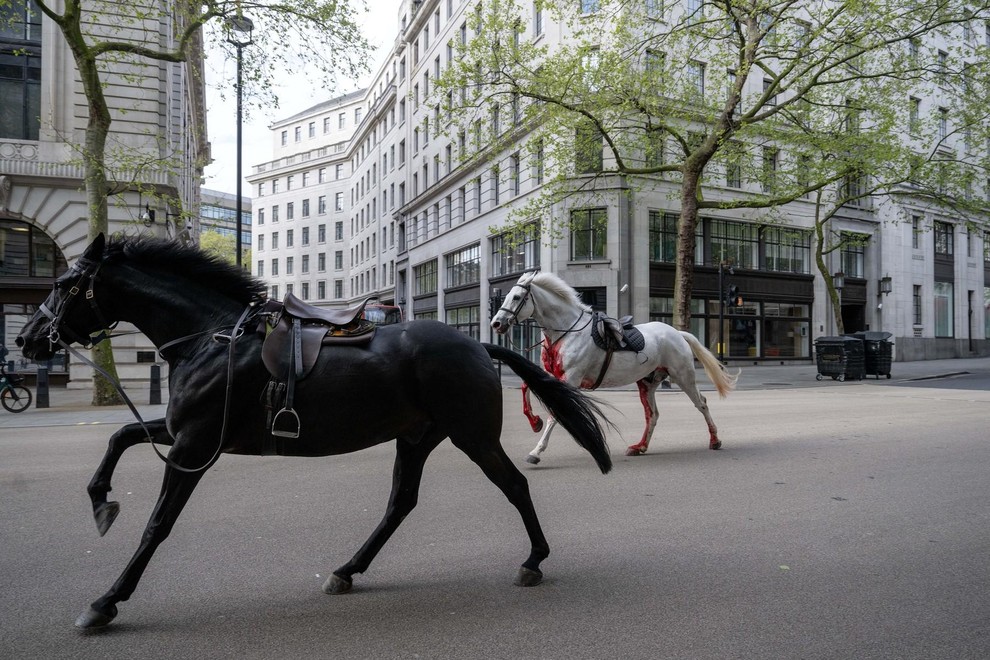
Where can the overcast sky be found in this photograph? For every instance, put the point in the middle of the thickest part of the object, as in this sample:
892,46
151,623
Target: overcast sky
295,95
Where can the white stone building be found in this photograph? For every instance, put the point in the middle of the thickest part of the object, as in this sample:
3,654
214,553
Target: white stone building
401,220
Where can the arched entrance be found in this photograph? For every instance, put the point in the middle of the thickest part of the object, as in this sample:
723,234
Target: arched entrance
29,263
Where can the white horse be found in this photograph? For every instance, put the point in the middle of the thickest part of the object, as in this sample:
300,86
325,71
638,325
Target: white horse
570,354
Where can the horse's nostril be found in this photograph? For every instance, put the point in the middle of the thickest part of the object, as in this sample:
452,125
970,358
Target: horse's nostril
20,342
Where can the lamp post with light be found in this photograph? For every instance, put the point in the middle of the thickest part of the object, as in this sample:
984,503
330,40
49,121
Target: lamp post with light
239,35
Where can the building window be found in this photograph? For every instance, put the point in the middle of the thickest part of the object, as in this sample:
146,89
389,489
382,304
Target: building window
261,216
261,242
466,320
735,155
789,250
274,240
285,138
290,211
916,304
663,237
943,238
769,169
588,234
515,252
20,71
734,243
305,264
289,235
338,231
590,6
338,202
944,326
425,278
298,133
463,267
338,289
261,268
696,77
321,204
274,267
305,208
289,265
914,115
321,262
338,260
588,150
275,213
916,230
853,257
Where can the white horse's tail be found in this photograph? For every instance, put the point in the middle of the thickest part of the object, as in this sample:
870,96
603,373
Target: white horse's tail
724,381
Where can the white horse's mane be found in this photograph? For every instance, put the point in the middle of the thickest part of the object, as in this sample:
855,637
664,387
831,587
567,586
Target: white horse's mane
552,284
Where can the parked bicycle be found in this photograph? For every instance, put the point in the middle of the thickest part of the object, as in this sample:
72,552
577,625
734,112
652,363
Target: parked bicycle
13,396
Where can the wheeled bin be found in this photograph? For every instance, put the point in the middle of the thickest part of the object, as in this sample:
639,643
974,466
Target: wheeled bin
877,352
840,358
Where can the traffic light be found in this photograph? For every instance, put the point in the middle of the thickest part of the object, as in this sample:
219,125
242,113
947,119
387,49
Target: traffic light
733,298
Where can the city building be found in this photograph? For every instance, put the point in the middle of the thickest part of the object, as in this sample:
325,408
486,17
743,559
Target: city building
159,126
362,199
218,213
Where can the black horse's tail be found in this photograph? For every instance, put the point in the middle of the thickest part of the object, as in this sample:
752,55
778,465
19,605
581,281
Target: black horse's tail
573,409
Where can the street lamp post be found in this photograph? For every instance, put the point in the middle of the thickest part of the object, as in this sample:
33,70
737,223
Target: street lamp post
240,37
839,282
722,297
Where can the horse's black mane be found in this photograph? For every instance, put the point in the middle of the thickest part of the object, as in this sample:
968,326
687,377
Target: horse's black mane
187,261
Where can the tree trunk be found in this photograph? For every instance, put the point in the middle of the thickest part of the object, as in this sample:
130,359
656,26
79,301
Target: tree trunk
95,178
833,295
684,265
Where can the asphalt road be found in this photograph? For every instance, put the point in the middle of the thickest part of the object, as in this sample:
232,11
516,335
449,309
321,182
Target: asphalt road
837,522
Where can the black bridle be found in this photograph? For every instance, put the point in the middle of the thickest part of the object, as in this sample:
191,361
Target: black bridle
88,271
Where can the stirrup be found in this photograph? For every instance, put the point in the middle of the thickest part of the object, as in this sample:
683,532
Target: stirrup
289,431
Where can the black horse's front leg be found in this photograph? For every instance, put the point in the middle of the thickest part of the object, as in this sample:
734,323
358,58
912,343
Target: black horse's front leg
177,487
406,476
106,512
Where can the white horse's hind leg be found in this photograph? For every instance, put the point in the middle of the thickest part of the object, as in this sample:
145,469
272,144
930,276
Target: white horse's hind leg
648,396
541,446
690,388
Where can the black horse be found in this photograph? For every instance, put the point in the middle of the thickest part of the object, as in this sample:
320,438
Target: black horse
417,382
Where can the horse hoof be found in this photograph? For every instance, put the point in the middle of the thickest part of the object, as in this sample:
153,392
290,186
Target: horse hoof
528,577
337,585
538,425
635,451
532,459
92,618
105,513
716,445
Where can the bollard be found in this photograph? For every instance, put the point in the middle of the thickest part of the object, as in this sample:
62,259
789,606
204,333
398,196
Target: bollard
41,396
155,397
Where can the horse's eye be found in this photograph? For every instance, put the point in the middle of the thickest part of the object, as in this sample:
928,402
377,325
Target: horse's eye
515,297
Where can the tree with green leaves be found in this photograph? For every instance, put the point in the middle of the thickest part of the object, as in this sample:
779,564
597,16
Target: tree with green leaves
722,104
112,42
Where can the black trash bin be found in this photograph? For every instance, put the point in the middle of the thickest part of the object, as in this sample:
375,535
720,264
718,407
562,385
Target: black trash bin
840,358
877,352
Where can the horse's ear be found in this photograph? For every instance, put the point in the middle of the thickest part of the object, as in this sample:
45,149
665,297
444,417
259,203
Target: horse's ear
95,250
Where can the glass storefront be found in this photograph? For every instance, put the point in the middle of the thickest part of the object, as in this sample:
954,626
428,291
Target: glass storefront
755,330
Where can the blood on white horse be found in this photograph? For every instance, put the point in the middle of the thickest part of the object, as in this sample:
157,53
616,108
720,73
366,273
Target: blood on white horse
570,354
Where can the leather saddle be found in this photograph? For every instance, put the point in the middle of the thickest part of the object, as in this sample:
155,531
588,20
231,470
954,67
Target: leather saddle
297,332
616,334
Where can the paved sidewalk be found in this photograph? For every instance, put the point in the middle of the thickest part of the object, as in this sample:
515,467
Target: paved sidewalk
71,407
